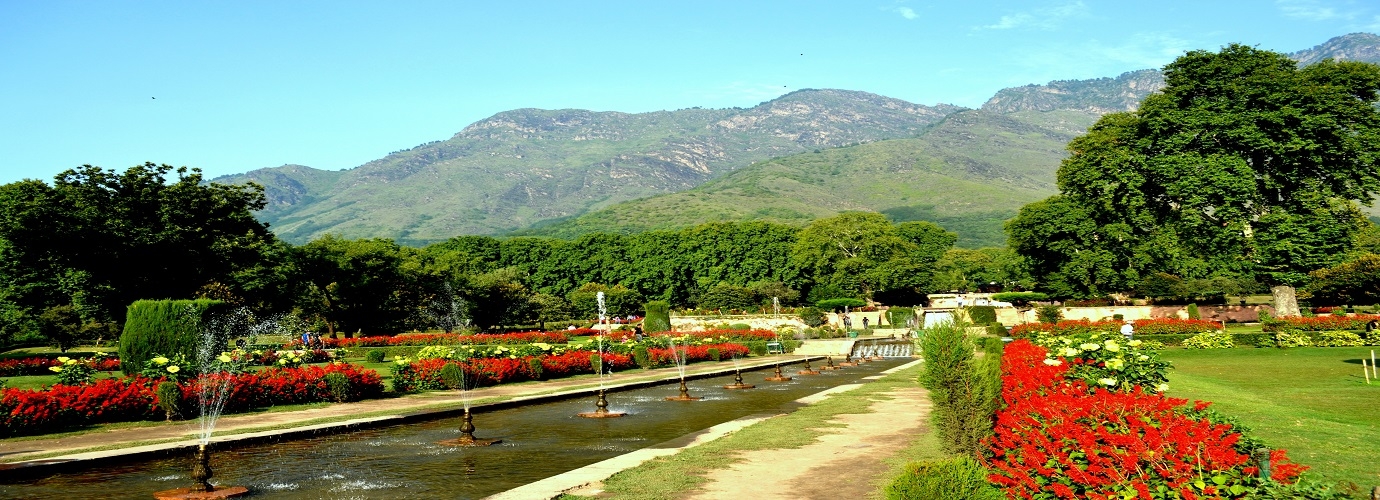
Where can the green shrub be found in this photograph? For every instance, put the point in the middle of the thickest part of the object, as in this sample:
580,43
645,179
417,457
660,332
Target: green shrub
596,362
964,390
1193,312
1288,338
740,326
641,357
534,366
1118,317
169,398
757,347
73,371
982,315
997,329
374,355
169,327
1338,338
1209,340
339,385
838,304
713,353
435,352
1049,313
812,316
658,316
453,376
958,478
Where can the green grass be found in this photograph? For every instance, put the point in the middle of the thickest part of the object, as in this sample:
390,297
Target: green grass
670,477
1312,402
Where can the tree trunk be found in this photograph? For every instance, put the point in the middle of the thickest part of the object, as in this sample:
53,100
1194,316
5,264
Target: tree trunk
1286,301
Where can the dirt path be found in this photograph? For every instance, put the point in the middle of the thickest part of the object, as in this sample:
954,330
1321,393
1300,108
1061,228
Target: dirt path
847,462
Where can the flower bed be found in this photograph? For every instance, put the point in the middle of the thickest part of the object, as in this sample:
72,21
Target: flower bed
29,411
1321,323
425,374
483,368
1055,438
42,366
443,339
1157,326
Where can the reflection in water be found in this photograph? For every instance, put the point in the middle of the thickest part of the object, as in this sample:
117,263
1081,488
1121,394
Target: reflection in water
539,441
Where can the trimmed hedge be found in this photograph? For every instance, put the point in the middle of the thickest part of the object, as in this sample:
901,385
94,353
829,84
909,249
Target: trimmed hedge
166,327
982,315
959,477
658,317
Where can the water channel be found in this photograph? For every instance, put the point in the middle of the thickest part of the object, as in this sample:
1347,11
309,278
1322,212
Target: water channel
404,461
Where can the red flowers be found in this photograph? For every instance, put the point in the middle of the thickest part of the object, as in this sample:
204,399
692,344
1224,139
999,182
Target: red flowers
445,339
132,398
1055,439
39,366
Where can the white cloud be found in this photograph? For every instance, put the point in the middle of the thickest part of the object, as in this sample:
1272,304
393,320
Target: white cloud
907,12
1048,18
1308,10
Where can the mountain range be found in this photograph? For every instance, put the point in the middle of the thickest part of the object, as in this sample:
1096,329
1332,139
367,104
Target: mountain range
807,154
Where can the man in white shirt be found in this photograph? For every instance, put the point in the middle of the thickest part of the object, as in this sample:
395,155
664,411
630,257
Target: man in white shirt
1128,329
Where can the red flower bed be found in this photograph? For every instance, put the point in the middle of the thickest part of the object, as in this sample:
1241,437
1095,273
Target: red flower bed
1053,439
1323,323
444,339
40,365
738,335
425,374
132,398
1155,326
696,353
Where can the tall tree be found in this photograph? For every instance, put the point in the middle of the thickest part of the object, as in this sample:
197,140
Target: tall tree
97,240
1245,165
863,254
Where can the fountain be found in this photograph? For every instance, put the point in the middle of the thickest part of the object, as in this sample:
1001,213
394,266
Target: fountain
213,385
778,377
678,353
454,376
848,360
807,370
737,377
829,365
601,404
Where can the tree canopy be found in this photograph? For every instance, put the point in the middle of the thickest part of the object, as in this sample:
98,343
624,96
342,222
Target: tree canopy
1245,166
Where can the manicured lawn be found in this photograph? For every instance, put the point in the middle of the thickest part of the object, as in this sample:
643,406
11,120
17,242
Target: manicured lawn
1313,402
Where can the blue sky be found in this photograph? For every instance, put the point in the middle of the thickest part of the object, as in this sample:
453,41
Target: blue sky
234,86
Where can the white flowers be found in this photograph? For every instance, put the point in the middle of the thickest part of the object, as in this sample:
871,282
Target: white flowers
1107,381
1111,346
1161,387
1069,352
1053,362
1142,357
1090,346
1134,343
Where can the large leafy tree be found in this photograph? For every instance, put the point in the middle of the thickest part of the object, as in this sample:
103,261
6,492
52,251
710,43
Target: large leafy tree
368,286
1245,165
864,255
97,240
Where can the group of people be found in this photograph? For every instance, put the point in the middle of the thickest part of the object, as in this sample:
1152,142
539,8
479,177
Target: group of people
311,340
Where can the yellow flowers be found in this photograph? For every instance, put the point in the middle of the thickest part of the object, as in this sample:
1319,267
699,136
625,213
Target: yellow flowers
174,369
1134,343
160,361
55,369
63,359
1107,381
1090,346
224,357
1161,387
1116,363
1053,362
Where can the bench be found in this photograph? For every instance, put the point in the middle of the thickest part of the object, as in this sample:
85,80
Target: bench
775,348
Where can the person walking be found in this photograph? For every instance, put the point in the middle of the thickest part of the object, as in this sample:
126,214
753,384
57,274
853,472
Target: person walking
1128,329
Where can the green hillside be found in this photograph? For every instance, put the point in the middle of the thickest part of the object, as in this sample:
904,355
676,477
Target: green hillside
528,165
969,173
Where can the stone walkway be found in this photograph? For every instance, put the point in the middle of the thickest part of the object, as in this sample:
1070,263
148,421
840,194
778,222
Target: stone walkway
18,453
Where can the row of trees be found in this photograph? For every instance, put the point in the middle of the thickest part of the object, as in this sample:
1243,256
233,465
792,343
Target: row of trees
75,253
1245,169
